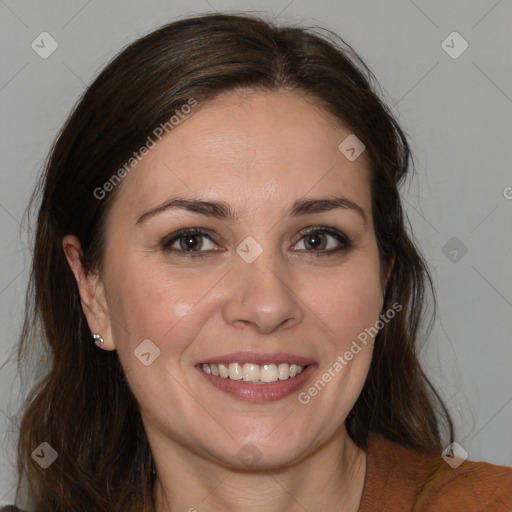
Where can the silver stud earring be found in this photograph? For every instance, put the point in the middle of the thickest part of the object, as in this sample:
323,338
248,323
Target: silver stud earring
98,339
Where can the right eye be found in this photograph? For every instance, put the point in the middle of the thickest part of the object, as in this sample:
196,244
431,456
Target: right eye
189,243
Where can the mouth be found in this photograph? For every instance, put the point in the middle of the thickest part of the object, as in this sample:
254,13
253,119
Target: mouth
257,377
254,373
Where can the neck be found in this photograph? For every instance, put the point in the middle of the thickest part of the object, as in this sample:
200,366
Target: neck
331,478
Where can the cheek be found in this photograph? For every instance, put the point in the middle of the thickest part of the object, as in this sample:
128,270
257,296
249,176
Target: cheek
156,303
348,300
165,307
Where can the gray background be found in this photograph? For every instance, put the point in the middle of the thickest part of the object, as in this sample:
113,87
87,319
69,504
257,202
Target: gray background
457,112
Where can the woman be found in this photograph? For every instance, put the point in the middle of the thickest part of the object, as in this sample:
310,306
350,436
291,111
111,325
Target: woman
228,293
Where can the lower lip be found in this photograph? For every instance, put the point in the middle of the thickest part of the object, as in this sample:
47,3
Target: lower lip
260,393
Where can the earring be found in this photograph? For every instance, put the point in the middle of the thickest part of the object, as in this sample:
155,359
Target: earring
98,339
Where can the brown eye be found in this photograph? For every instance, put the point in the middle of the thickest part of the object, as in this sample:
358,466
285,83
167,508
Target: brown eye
315,241
189,242
323,241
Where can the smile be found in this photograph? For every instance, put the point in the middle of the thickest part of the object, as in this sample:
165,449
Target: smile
254,373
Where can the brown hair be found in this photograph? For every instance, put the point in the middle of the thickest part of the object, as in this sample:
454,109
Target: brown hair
83,406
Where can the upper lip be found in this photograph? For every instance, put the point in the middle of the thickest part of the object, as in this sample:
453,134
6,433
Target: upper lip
257,358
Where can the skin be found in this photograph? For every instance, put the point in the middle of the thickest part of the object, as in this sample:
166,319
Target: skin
259,152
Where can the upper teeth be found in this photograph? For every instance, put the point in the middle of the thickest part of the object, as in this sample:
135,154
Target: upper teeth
254,372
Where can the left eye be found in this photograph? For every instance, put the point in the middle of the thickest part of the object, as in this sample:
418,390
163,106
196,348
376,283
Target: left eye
323,240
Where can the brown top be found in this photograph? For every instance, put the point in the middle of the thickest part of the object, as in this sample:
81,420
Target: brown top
403,479
400,479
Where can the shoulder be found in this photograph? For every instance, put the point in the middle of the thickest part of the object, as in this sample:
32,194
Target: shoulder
407,479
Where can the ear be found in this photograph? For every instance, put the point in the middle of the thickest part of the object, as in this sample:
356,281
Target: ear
92,293
386,273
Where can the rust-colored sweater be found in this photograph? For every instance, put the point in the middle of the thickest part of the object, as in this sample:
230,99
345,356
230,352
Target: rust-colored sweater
405,480
400,479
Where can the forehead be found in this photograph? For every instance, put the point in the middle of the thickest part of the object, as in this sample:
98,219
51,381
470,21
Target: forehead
268,148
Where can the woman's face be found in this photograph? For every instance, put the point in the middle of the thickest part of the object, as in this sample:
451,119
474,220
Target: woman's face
276,274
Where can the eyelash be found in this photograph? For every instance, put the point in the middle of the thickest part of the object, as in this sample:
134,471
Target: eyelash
169,240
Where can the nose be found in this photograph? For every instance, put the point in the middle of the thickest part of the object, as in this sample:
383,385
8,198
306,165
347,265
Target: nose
262,296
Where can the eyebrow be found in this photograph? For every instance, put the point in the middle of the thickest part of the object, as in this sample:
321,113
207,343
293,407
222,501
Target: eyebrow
222,210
